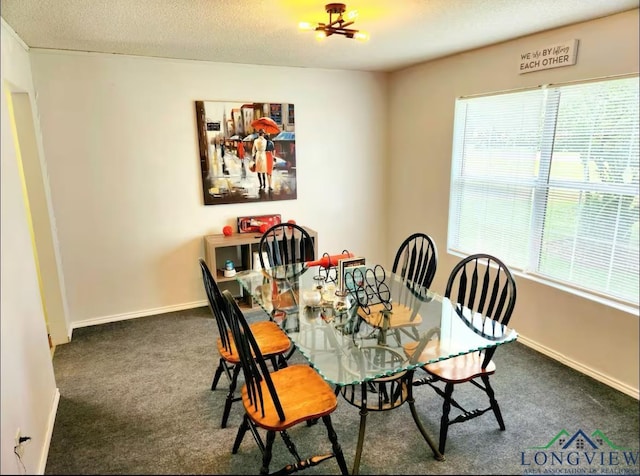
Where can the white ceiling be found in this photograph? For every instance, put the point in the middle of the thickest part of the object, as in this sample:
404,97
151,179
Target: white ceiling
265,32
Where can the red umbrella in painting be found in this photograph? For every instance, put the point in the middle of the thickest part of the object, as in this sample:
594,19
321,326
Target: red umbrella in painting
267,124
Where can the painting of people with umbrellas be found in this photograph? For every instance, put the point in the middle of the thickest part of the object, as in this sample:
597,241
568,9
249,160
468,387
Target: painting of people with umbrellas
247,151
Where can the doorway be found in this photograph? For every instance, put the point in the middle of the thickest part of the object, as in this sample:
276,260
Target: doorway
39,217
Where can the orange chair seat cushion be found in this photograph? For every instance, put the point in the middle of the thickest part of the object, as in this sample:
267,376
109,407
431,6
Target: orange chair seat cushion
270,338
303,393
460,369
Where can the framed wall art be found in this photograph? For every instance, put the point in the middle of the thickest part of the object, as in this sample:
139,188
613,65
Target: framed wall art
247,151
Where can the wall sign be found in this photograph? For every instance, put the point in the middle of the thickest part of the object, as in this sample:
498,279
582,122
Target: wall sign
553,56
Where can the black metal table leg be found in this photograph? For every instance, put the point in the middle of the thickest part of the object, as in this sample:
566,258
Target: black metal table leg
363,424
414,413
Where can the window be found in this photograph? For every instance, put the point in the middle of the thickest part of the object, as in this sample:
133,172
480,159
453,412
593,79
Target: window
547,181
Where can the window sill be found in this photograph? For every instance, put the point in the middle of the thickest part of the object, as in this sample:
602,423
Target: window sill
620,306
609,302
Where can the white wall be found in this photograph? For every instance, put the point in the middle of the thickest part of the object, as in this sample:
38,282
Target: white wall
122,153
591,337
29,395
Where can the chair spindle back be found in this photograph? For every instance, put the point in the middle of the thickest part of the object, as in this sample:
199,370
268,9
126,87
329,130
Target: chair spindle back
483,284
416,260
253,364
216,304
286,244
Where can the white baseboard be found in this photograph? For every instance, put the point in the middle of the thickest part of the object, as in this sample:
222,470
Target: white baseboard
133,315
600,377
47,440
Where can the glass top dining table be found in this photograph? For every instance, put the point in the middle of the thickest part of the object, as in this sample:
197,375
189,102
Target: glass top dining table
413,327
387,329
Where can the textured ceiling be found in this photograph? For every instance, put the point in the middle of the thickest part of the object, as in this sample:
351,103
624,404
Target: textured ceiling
403,32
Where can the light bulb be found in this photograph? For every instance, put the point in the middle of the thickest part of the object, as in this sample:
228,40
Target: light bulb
305,25
352,15
321,34
361,35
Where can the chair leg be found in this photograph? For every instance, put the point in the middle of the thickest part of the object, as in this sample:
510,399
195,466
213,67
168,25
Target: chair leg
288,442
240,435
290,353
301,464
274,362
493,401
337,449
230,396
217,375
444,421
266,456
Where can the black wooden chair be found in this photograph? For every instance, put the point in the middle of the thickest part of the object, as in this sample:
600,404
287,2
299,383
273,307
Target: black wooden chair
284,248
416,260
286,245
277,401
484,285
273,342
415,263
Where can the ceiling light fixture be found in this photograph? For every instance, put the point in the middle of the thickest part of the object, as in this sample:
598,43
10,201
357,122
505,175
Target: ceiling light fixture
338,23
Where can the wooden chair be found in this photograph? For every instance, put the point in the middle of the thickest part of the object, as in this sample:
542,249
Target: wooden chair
273,342
286,247
484,285
286,244
280,400
416,260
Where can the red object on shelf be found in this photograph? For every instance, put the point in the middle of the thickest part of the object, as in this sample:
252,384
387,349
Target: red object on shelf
227,231
264,227
251,224
329,260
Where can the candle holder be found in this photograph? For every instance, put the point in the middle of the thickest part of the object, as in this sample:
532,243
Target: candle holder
319,283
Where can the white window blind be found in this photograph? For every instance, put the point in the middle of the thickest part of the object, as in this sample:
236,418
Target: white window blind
547,181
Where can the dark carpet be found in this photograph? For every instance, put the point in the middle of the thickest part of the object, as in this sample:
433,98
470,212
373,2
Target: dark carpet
136,399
